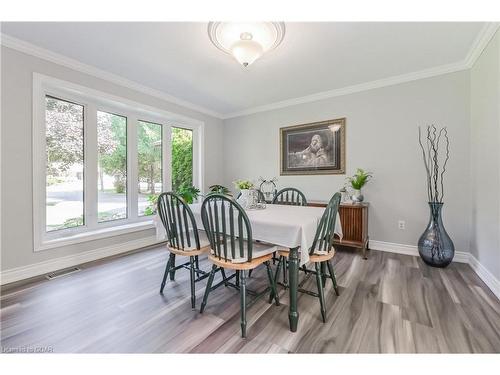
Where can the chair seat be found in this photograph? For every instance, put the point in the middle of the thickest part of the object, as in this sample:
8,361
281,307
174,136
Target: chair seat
321,257
239,266
318,257
259,249
192,250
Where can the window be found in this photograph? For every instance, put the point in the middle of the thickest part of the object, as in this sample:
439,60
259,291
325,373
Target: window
64,178
149,157
100,162
182,159
112,167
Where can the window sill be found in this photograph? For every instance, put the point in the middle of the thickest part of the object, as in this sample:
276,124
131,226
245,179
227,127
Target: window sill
94,235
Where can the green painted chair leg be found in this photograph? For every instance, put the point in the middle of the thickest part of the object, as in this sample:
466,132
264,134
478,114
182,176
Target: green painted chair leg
207,289
243,303
332,275
285,273
223,273
167,268
277,273
250,273
197,262
272,284
237,278
193,277
172,272
323,273
319,282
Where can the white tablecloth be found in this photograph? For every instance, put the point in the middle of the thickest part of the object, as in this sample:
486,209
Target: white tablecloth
287,226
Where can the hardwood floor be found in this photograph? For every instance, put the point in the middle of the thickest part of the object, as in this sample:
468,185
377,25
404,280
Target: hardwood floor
388,303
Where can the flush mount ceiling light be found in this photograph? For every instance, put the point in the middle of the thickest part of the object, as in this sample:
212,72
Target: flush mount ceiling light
246,42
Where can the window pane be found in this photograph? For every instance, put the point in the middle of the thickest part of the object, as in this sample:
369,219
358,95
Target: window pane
112,166
149,155
64,176
182,159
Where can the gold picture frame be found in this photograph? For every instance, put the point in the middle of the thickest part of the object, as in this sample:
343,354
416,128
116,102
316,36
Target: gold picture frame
316,148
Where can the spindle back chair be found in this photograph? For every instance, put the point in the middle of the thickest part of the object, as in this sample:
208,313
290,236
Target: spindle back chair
290,196
229,232
183,239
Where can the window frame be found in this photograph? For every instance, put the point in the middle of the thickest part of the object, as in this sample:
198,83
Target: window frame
93,101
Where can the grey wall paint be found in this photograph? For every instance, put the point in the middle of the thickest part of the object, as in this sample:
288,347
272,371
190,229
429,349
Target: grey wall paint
485,165
381,137
17,219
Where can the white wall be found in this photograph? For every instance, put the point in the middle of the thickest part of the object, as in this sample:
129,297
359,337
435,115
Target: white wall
381,136
16,100
485,161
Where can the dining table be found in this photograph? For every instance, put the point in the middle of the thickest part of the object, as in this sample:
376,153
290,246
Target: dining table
286,226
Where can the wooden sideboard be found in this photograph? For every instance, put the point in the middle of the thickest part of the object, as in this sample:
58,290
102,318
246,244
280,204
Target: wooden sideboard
354,219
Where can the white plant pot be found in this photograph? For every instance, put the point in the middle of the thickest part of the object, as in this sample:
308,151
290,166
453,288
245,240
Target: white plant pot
244,199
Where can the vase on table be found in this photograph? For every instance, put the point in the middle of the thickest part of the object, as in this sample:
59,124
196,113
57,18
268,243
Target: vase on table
244,198
435,245
357,196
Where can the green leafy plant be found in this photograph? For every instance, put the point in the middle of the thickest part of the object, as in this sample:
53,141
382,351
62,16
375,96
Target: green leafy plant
71,222
243,184
219,189
153,201
189,194
359,179
182,159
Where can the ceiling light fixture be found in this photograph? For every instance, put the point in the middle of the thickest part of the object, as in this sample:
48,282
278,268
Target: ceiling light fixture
246,42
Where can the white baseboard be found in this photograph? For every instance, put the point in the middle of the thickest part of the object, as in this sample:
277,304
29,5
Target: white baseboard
25,272
491,281
460,256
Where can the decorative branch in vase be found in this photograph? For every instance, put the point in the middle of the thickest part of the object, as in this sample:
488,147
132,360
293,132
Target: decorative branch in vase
435,245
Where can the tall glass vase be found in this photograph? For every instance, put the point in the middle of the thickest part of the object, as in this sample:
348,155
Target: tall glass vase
435,246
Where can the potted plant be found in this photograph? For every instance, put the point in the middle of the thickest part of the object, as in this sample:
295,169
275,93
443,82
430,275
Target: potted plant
220,189
189,193
244,186
357,181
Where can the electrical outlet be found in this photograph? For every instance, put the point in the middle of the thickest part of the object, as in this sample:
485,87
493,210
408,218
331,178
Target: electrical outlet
401,224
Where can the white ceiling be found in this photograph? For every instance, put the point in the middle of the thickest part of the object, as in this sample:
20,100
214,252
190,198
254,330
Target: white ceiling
177,58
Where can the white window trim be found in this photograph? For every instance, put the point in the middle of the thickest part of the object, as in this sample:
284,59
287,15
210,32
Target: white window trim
95,100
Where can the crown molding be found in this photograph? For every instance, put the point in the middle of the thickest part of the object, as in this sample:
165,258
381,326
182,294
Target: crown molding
33,50
390,81
480,43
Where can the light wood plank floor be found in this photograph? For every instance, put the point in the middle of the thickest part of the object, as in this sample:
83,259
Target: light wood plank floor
388,303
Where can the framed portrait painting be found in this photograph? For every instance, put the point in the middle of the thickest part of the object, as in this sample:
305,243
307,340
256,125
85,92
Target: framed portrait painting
315,148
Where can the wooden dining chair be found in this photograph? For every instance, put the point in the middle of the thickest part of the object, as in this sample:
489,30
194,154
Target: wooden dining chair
290,196
230,234
183,239
320,254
